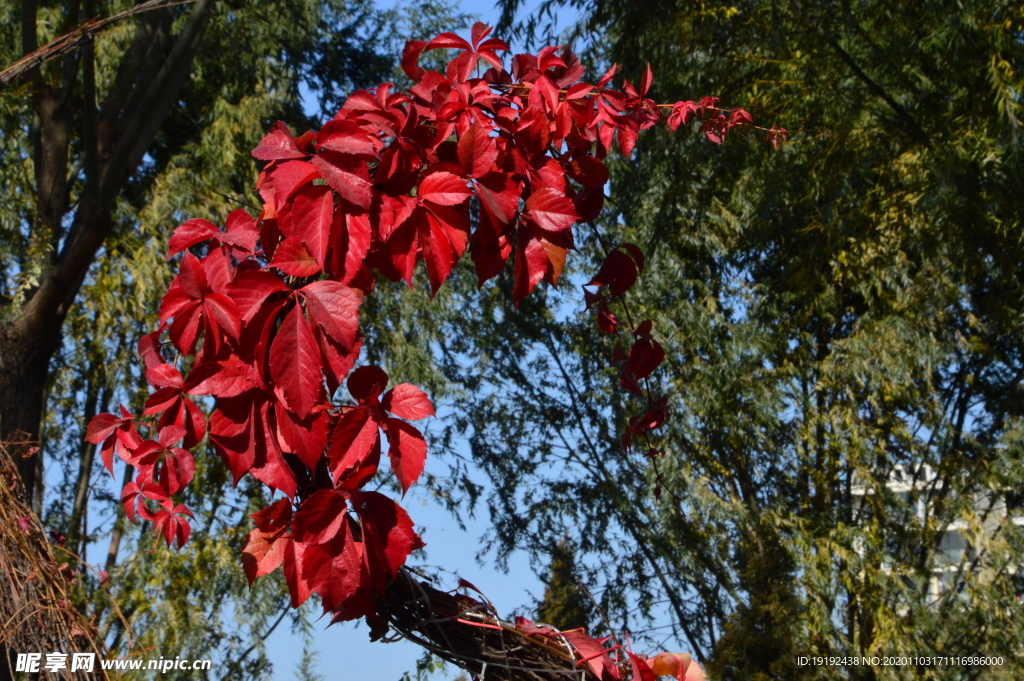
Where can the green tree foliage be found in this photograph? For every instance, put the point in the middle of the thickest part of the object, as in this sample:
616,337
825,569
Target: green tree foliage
836,314
250,61
564,605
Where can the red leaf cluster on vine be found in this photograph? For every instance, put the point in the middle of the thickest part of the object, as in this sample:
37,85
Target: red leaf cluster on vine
262,319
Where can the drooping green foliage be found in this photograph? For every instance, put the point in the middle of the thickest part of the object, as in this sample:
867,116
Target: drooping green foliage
564,605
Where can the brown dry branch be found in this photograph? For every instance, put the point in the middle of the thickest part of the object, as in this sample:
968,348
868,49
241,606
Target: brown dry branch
75,39
36,611
469,634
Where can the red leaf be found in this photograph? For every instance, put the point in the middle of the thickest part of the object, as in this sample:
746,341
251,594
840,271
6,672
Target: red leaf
262,554
645,356
355,448
275,517
477,151
443,234
190,233
306,438
334,307
645,81
681,113
285,178
351,187
443,188
410,58
311,216
334,570
251,289
292,258
320,517
448,40
596,655
347,137
618,272
101,426
408,402
270,466
277,144
350,241
298,584
387,533
224,378
587,170
367,383
551,210
407,451
295,363
531,265
641,671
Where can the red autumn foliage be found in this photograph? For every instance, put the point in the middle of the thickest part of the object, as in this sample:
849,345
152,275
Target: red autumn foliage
263,316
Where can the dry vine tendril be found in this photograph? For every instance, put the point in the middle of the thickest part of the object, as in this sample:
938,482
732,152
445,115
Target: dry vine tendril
264,315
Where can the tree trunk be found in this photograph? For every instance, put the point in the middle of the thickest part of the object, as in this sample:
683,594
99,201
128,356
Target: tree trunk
24,365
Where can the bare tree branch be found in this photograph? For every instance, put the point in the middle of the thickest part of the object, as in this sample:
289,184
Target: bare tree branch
69,41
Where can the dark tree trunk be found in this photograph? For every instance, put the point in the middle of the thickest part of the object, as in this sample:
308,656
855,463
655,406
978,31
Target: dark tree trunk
24,366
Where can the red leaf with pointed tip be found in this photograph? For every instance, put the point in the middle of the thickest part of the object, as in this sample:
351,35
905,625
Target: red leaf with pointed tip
292,258
531,265
306,438
645,356
407,451
311,216
448,40
347,137
320,517
410,59
645,81
388,535
285,178
443,188
277,144
334,307
262,554
681,114
408,402
190,233
240,231
298,584
477,151
354,189
618,272
334,569
270,466
596,655
295,363
251,289
350,240
355,448
551,210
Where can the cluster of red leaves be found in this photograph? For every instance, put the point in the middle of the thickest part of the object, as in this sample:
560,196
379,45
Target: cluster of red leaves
263,315
609,661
